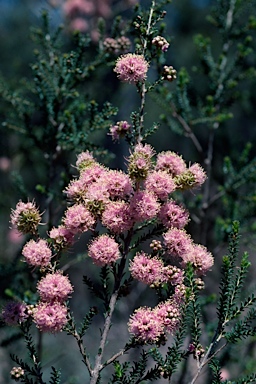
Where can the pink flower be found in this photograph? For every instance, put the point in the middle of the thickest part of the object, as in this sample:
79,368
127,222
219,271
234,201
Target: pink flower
173,215
145,325
170,162
54,287
146,269
144,150
62,236
25,217
119,130
79,24
14,313
5,164
199,257
160,183
140,161
116,217
78,219
104,250
117,183
168,314
97,197
177,241
75,191
72,8
131,68
144,206
37,253
85,160
90,174
198,173
50,317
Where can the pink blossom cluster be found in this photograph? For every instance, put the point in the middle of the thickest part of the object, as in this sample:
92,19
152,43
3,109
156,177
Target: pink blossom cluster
113,205
151,325
14,313
25,217
82,15
152,271
131,68
50,314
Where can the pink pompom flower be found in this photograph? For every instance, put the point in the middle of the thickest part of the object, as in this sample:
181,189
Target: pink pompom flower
119,130
116,217
172,214
131,68
146,269
170,162
85,160
160,183
37,253
140,161
25,217
104,250
144,206
198,173
177,241
50,317
117,184
61,236
201,259
145,325
78,219
14,313
54,287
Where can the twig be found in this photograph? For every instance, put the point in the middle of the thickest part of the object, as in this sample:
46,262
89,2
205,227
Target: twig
98,361
187,129
143,88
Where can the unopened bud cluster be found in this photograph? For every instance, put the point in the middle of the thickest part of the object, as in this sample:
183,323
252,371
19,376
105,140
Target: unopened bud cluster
161,42
169,73
17,373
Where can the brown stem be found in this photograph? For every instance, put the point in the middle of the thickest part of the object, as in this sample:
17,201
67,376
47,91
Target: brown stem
187,129
98,361
143,89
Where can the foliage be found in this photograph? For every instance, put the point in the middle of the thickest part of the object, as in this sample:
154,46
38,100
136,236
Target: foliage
62,110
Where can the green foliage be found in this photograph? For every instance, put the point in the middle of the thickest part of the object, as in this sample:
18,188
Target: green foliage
127,374
55,376
58,113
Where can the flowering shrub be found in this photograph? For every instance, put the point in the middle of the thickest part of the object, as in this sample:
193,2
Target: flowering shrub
133,226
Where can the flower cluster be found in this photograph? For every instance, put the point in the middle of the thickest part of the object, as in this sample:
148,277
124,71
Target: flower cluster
37,253
117,204
50,314
25,217
14,313
119,129
131,68
149,325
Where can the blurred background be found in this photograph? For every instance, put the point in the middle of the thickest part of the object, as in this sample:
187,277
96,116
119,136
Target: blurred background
23,170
